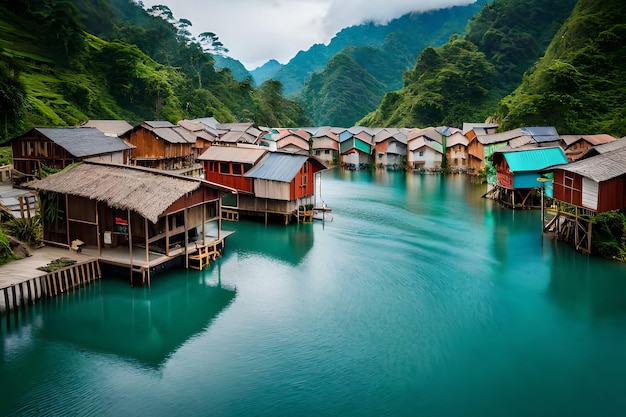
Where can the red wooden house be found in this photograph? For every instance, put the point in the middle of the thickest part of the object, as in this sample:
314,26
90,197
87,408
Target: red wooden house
597,184
227,165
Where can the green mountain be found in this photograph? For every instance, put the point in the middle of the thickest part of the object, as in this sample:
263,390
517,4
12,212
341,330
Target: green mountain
62,63
402,40
343,85
464,79
580,84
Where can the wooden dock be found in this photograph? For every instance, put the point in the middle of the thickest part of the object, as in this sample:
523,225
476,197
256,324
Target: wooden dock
21,283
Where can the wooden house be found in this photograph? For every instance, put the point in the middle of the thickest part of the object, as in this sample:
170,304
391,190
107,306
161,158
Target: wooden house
281,182
606,147
131,217
425,149
162,145
203,134
517,171
390,147
577,146
227,165
325,145
596,184
59,147
355,147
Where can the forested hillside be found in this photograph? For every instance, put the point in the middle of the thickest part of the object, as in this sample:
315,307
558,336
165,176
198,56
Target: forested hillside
580,84
464,79
383,52
63,62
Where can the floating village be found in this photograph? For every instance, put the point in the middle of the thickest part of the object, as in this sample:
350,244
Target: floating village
136,200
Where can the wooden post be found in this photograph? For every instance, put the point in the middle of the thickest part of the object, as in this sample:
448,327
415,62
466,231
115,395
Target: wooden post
130,247
219,208
67,221
219,216
167,235
147,244
98,230
185,228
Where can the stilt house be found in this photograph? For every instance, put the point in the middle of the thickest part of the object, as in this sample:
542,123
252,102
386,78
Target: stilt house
149,216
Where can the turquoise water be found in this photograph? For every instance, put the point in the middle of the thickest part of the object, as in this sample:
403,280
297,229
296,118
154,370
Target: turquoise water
419,298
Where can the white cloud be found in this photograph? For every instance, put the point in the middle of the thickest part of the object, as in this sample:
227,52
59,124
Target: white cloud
256,31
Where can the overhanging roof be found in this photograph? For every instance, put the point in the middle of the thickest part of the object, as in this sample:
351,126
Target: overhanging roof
233,154
82,142
534,159
147,192
601,167
282,167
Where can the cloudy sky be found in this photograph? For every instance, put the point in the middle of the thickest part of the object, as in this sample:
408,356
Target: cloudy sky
256,31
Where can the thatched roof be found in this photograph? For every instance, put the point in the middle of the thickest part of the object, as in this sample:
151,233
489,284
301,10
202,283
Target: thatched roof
147,193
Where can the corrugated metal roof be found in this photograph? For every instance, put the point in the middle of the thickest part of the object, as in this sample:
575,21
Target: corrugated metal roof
84,141
233,154
601,167
541,133
534,159
278,166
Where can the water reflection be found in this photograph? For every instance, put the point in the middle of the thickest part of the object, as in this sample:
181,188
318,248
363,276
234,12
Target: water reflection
288,244
587,287
146,325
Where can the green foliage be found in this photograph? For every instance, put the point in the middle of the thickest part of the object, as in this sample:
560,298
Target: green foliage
27,230
463,80
6,254
132,66
340,93
609,235
57,264
441,89
6,155
579,85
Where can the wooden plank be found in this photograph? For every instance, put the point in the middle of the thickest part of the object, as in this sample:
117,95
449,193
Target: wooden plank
30,293
6,300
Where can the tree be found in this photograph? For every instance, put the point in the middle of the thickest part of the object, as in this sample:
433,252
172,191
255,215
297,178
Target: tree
211,44
12,95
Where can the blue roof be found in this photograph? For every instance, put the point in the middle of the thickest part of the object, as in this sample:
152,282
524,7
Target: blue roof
278,166
541,133
534,159
83,141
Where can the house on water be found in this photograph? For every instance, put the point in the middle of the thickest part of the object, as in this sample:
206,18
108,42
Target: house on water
282,183
425,149
390,147
326,145
355,147
585,188
133,218
58,148
517,171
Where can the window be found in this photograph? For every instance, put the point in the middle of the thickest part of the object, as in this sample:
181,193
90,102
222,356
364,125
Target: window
421,153
237,170
304,181
224,168
327,152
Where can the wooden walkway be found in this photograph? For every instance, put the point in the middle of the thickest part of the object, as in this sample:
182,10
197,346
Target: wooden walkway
22,283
